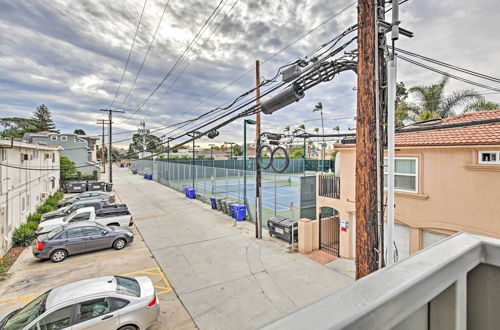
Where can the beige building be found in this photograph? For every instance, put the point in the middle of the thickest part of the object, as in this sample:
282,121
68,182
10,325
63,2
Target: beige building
29,173
447,180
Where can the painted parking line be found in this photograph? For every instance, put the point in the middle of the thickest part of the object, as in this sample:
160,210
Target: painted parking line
165,286
78,261
157,272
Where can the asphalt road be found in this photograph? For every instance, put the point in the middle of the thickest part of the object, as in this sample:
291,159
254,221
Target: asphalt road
225,278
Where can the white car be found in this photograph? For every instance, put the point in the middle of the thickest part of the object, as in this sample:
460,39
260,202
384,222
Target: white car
101,303
119,217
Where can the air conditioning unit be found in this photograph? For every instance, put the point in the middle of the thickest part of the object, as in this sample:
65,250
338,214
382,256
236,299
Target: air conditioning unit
44,195
24,157
47,156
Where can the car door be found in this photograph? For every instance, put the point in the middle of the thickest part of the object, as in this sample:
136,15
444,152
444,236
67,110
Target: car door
96,314
59,319
81,217
97,238
76,242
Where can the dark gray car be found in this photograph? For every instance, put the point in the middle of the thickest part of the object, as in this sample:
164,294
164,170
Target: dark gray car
80,237
110,198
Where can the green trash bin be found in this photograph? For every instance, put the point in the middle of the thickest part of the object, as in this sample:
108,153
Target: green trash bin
109,187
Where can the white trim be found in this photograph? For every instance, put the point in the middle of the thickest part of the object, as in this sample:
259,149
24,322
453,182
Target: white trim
480,153
64,138
405,174
53,137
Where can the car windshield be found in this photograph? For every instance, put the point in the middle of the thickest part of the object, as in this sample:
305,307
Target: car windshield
69,216
28,313
55,232
128,286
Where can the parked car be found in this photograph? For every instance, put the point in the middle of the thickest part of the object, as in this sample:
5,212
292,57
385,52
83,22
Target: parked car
80,237
97,204
116,216
107,302
110,198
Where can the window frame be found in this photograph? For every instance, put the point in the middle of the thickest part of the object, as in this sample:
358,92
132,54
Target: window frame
47,313
416,175
64,138
53,137
112,308
481,152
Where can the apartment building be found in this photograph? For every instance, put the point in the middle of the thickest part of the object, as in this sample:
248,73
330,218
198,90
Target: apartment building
29,173
447,180
80,149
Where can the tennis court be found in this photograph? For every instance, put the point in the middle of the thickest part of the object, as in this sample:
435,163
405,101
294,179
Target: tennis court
277,194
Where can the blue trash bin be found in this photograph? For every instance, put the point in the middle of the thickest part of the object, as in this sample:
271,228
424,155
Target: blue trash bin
233,207
242,212
145,176
191,193
185,188
213,201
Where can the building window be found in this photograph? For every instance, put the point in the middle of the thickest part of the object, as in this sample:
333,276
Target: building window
489,157
64,138
23,204
53,137
3,154
405,174
53,157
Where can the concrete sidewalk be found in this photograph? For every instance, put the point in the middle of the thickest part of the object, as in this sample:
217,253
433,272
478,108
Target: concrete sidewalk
225,278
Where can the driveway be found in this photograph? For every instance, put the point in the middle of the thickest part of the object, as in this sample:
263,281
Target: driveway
30,277
224,277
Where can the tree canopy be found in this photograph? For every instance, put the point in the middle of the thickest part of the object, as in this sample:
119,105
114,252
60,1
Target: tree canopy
43,118
79,131
17,126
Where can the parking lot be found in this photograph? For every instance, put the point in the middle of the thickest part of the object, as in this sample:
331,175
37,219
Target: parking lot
30,277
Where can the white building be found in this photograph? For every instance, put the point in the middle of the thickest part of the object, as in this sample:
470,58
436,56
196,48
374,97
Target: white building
29,173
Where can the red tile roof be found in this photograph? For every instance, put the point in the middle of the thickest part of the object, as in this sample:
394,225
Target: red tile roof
476,132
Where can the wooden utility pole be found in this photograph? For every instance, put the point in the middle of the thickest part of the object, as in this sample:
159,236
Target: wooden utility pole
103,147
368,126
258,174
110,152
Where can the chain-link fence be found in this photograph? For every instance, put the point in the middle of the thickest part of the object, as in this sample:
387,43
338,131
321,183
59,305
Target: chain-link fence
281,193
295,165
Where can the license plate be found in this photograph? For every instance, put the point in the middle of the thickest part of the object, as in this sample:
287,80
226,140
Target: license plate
278,230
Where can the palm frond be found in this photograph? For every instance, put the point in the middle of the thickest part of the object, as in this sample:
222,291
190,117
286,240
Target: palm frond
481,105
460,97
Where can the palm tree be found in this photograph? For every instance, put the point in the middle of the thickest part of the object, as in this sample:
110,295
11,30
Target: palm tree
481,105
432,102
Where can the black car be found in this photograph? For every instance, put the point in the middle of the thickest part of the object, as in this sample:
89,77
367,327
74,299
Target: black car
80,237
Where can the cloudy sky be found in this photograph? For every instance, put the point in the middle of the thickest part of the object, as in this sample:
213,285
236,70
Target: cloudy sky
70,55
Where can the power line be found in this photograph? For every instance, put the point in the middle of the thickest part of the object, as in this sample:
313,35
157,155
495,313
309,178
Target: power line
272,56
147,53
176,63
129,54
450,66
448,74
189,63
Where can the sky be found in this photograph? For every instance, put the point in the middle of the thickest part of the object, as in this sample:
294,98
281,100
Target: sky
70,56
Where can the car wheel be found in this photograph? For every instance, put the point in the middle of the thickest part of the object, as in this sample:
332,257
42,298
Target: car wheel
119,244
128,327
58,255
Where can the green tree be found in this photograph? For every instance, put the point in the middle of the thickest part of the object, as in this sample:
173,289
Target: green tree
16,126
152,143
67,168
433,103
43,118
79,131
237,150
296,152
481,105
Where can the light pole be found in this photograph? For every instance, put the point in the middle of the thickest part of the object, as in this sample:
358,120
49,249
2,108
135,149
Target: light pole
212,151
231,144
193,134
319,107
249,122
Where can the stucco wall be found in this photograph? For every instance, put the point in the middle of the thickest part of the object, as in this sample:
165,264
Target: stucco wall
454,194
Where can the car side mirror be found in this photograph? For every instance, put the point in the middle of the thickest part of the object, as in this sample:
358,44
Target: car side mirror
104,232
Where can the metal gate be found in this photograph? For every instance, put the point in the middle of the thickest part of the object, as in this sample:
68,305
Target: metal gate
329,233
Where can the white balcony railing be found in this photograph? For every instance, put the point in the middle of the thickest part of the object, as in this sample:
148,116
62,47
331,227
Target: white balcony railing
454,284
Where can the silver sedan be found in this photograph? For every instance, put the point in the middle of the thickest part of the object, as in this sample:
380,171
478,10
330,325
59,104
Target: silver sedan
108,302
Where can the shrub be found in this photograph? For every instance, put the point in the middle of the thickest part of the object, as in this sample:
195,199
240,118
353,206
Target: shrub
45,208
52,201
35,217
59,195
4,267
25,234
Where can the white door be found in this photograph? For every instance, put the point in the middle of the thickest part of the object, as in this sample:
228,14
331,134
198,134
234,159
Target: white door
431,238
402,241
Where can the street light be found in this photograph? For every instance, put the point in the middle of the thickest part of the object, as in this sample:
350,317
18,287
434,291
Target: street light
193,134
319,107
211,150
249,122
231,144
